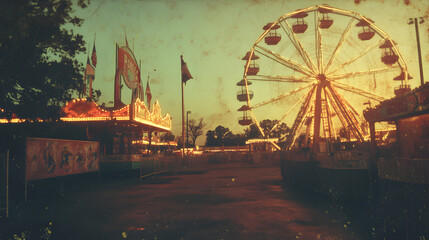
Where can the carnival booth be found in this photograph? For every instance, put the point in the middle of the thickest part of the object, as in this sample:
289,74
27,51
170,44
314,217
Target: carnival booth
81,136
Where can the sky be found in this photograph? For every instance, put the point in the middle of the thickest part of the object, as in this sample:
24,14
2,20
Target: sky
213,36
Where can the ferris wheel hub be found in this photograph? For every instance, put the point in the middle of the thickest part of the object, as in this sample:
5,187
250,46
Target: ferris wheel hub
321,78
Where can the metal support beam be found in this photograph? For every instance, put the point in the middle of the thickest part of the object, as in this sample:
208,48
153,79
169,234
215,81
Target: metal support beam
317,114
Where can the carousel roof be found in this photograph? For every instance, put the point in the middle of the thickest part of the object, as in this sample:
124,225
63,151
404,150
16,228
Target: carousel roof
83,111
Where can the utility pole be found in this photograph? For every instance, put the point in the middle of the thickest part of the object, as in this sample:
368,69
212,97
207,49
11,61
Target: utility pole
416,25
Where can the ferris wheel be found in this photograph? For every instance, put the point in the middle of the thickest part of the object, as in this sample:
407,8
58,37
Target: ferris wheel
314,69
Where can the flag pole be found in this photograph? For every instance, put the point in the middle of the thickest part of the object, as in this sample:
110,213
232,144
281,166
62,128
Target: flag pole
183,122
186,75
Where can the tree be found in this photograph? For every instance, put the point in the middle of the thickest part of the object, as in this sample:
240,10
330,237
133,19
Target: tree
222,136
234,140
179,141
218,136
38,68
167,137
196,129
96,94
211,139
266,125
252,132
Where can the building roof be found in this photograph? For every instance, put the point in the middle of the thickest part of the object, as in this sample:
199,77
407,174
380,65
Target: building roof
83,111
415,102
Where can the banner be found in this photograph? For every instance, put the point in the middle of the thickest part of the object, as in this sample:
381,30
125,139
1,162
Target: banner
128,67
46,158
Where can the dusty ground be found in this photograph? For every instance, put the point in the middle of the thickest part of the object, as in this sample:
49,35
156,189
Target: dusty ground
234,201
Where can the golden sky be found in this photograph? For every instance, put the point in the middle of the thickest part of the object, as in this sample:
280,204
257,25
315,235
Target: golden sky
213,36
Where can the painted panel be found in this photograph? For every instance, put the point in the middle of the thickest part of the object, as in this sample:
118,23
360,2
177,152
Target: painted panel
46,158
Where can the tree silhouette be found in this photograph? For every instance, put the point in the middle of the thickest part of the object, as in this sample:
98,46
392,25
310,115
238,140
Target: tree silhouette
211,139
196,129
167,137
38,66
253,132
218,136
222,136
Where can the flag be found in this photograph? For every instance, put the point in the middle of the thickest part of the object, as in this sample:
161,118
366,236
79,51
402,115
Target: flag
186,75
148,94
89,75
90,71
94,56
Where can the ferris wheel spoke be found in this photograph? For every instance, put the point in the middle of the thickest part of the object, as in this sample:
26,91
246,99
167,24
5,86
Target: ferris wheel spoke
363,73
352,123
319,43
299,120
282,96
361,54
256,122
353,109
290,110
334,105
340,44
356,113
350,115
359,91
284,61
328,124
294,39
285,79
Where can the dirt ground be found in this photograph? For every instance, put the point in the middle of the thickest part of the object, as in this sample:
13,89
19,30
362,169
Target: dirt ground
221,201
